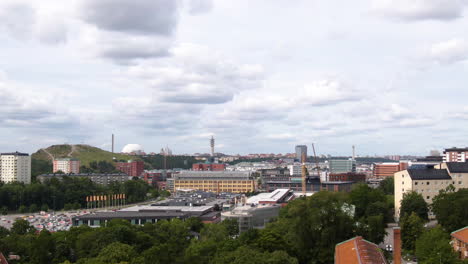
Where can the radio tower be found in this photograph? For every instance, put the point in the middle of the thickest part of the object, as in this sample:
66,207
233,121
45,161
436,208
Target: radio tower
212,144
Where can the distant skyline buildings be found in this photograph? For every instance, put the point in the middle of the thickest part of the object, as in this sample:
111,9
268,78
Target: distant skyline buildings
300,150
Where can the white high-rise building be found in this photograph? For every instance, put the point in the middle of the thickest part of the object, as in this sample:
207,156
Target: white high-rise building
15,167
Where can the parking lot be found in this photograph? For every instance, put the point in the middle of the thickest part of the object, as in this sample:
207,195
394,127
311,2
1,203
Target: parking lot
49,220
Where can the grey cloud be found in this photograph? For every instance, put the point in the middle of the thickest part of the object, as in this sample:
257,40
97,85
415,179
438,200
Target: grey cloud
18,20
158,17
420,9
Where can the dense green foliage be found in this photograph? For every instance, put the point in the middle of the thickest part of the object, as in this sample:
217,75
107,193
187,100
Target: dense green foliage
306,231
387,186
412,227
451,209
70,192
433,246
99,167
157,162
39,167
413,202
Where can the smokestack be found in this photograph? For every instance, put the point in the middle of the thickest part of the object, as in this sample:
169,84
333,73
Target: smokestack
112,143
354,152
212,144
396,245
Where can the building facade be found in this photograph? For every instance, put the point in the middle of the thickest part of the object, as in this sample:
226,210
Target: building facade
67,165
300,150
388,169
342,166
354,177
15,166
460,242
209,167
215,181
132,168
99,178
455,154
427,182
252,216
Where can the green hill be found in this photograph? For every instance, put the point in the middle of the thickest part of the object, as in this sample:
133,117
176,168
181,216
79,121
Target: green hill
84,153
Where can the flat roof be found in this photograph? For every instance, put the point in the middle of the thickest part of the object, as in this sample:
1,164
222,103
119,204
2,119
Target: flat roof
274,196
129,215
153,208
14,154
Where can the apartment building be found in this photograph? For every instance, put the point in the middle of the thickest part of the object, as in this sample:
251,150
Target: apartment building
215,181
342,166
455,154
15,166
132,168
428,182
66,165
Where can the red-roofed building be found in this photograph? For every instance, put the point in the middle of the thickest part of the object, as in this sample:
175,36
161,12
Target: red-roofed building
131,168
209,167
460,242
358,251
3,260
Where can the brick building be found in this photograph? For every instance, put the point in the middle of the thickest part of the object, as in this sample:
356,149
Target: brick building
388,169
358,251
354,177
460,242
66,165
209,167
131,168
455,155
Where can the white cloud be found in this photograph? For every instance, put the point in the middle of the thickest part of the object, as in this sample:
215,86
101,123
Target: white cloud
413,10
451,51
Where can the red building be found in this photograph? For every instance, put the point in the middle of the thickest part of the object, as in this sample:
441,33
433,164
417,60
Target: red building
350,176
460,242
209,167
157,178
358,251
388,169
131,168
3,260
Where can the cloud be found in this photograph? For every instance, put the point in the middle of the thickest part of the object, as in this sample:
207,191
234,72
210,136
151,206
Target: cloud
18,19
415,10
196,75
196,7
154,17
449,52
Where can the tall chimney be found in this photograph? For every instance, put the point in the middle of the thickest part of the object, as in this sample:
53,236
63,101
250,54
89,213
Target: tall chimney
112,143
354,152
396,245
212,144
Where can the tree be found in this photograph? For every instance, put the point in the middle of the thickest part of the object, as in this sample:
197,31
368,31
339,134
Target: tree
413,202
33,208
411,229
116,253
232,226
451,209
22,227
387,186
43,248
434,246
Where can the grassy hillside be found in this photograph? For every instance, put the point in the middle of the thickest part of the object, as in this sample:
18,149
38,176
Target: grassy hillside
84,153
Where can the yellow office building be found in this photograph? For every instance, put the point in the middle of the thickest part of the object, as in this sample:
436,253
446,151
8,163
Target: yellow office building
215,181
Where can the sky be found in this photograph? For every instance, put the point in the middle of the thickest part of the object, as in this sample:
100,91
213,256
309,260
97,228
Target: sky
388,76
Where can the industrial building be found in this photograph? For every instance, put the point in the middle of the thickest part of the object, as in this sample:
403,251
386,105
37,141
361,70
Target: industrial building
214,181
350,176
99,178
342,165
279,196
66,165
252,216
15,166
132,168
140,215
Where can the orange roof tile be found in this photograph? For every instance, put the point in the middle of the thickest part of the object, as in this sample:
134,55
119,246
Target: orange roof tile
358,251
461,234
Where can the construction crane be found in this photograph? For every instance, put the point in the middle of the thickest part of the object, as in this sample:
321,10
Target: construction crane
304,173
316,160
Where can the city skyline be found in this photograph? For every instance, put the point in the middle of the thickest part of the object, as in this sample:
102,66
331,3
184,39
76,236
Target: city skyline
261,77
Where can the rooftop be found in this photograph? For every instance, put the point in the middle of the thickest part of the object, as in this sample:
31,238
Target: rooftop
455,149
457,167
358,251
152,208
428,174
14,154
274,196
461,234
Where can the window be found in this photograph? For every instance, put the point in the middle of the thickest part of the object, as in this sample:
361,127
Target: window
459,182
402,183
427,183
427,197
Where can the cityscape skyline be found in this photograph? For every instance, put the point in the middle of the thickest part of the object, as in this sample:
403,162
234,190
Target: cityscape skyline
261,77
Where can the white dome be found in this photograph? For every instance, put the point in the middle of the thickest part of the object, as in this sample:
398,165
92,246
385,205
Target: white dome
132,148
